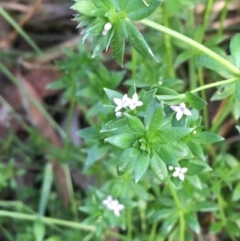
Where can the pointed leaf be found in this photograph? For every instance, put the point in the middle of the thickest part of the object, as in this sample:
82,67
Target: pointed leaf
175,133
124,140
118,42
237,89
207,137
157,118
137,9
195,101
111,94
196,149
127,160
114,125
166,154
138,42
159,168
85,7
95,153
135,124
214,65
141,165
235,49
192,221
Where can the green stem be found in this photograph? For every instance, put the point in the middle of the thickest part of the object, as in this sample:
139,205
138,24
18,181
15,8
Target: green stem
181,213
153,232
208,86
194,44
168,46
223,17
204,96
129,224
11,21
29,217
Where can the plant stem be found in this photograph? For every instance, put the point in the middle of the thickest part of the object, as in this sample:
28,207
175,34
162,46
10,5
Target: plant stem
180,209
223,17
55,221
168,46
192,43
153,232
129,224
214,85
11,21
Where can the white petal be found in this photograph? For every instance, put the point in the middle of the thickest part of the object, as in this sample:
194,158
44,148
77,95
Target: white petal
119,107
175,174
135,97
181,176
117,101
139,103
175,108
184,169
187,112
179,115
132,106
182,105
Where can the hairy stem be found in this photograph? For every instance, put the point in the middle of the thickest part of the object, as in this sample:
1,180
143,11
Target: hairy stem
192,43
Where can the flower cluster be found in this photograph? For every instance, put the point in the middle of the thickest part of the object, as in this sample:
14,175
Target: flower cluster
127,102
181,110
179,172
113,205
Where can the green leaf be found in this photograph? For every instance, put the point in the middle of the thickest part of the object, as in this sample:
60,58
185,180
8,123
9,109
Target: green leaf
157,118
237,89
166,154
147,99
236,193
207,137
214,65
192,221
95,153
135,124
236,109
127,160
168,224
166,91
175,133
195,101
159,168
124,140
138,42
196,149
205,206
120,4
238,128
85,7
39,230
118,42
223,92
56,85
137,10
111,94
114,125
235,49
216,227
88,133
141,165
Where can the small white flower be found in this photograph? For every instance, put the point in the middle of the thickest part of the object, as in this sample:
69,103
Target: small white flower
113,205
122,103
135,102
181,110
179,172
106,28
118,114
170,168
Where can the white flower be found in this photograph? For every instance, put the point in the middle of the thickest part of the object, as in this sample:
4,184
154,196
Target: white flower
113,205
181,110
106,28
118,114
179,172
122,103
134,102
